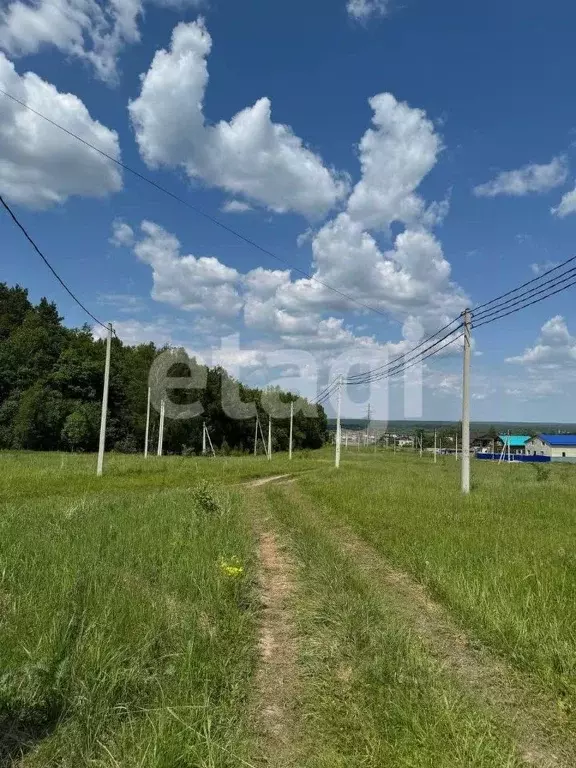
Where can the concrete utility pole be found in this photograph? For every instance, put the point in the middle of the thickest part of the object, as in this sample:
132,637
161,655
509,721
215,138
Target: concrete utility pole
421,444
256,437
466,404
269,438
456,447
102,444
203,438
161,429
435,459
147,426
367,427
291,430
338,428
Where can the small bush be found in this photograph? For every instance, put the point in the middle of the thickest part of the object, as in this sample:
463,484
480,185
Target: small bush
205,499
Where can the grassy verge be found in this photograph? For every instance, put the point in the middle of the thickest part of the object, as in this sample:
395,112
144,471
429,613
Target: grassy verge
503,560
370,695
28,475
126,639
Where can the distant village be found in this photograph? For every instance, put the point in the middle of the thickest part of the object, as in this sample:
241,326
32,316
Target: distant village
487,446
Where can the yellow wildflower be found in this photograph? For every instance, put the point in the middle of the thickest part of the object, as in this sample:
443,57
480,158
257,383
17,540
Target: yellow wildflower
231,567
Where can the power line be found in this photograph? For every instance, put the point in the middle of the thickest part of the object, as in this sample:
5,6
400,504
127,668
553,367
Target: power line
490,317
401,357
431,354
362,378
523,297
45,260
395,371
528,304
377,375
529,282
492,311
195,208
326,392
565,280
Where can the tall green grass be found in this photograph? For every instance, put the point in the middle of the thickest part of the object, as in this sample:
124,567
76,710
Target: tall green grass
27,474
503,560
124,640
369,694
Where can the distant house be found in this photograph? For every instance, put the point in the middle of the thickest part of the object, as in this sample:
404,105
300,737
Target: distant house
484,442
557,447
517,443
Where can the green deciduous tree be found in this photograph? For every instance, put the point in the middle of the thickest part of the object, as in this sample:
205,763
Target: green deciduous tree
51,380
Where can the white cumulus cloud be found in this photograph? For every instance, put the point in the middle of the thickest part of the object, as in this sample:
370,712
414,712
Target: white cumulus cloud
201,284
554,348
39,166
236,206
532,178
361,10
545,266
86,29
122,234
250,155
406,278
566,206
395,156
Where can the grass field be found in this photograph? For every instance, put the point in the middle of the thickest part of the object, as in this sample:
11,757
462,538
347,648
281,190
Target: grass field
177,614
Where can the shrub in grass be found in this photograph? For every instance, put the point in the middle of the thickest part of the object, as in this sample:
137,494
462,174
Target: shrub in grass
205,499
542,472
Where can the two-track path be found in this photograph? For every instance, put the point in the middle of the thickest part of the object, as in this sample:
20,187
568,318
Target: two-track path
523,712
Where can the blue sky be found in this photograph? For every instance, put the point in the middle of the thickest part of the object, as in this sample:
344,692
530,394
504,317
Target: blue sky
263,115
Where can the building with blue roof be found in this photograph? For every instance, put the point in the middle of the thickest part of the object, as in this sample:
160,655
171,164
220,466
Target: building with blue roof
556,447
514,443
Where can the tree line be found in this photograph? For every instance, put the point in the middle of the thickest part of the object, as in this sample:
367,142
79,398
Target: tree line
51,381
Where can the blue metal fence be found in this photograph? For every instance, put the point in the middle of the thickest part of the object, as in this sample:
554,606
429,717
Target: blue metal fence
514,457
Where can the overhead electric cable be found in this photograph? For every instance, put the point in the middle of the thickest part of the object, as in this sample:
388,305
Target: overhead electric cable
527,295
420,360
194,208
410,351
50,267
377,374
529,282
326,392
528,304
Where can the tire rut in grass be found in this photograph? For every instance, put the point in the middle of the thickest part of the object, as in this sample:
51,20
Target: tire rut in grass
532,719
276,675
260,481
529,717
